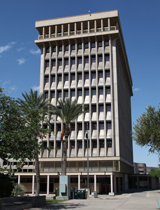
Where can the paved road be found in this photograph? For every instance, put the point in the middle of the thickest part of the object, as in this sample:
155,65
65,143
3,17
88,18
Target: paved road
146,200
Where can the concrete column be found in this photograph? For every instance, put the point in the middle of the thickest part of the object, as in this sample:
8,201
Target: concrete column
95,25
55,31
49,31
111,181
43,32
19,179
109,26
75,28
88,26
79,183
115,190
101,24
33,185
62,31
68,29
95,183
81,27
47,184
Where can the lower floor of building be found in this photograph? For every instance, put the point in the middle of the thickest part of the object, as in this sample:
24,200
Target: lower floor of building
112,183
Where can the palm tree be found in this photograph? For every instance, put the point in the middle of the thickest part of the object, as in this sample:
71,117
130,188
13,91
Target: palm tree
34,108
68,111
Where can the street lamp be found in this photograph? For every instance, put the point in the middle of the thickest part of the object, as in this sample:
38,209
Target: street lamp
87,159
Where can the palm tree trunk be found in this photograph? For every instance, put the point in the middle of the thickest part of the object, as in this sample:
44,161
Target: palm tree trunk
65,155
37,174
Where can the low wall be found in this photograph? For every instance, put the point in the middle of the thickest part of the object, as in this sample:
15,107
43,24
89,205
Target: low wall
36,201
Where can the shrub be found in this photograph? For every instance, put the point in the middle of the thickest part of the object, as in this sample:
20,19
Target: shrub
19,189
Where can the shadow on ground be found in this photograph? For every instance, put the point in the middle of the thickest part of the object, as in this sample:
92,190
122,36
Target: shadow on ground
63,205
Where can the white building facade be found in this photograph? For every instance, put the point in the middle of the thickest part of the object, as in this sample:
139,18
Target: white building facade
83,57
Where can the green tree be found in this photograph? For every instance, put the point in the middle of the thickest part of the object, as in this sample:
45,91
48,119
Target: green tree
68,111
154,172
12,127
34,109
146,129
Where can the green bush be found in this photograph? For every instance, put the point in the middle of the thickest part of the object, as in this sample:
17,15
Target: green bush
6,185
19,189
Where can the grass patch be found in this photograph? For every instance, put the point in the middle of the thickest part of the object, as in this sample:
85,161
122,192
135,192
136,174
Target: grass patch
52,201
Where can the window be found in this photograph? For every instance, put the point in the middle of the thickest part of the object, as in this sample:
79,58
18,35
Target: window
86,60
66,48
94,126
47,63
108,125
72,127
79,46
47,50
46,79
60,62
60,49
73,76
86,92
86,75
66,93
101,126
101,108
79,144
53,78
58,145
100,91
80,126
66,77
73,61
52,94
106,58
108,107
99,44
52,127
100,58
73,47
79,60
106,43
79,76
53,63
101,143
94,143
107,74
93,44
93,108
72,93
46,95
108,90
93,59
86,45
79,92
93,75
88,144
100,74
72,144
59,94
59,78
93,92
54,49
66,62
59,127
109,143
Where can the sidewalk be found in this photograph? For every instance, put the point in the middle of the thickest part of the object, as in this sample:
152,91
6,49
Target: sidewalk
127,201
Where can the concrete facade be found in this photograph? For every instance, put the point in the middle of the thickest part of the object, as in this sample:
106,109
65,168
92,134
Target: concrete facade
84,57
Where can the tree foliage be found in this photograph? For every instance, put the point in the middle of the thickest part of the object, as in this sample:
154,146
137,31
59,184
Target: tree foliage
154,172
146,130
68,111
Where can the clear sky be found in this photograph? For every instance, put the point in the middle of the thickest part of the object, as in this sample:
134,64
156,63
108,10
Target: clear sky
20,57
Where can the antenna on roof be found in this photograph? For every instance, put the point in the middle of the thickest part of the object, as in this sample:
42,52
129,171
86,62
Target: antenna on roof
89,12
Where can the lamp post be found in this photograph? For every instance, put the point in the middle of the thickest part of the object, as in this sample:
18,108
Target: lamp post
87,159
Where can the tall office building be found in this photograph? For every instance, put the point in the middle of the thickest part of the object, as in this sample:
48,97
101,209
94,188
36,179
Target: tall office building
83,57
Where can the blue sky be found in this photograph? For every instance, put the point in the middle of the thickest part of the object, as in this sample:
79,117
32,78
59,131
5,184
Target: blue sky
20,57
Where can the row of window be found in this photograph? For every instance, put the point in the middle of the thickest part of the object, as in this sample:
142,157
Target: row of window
79,144
79,46
79,125
79,92
79,60
79,76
